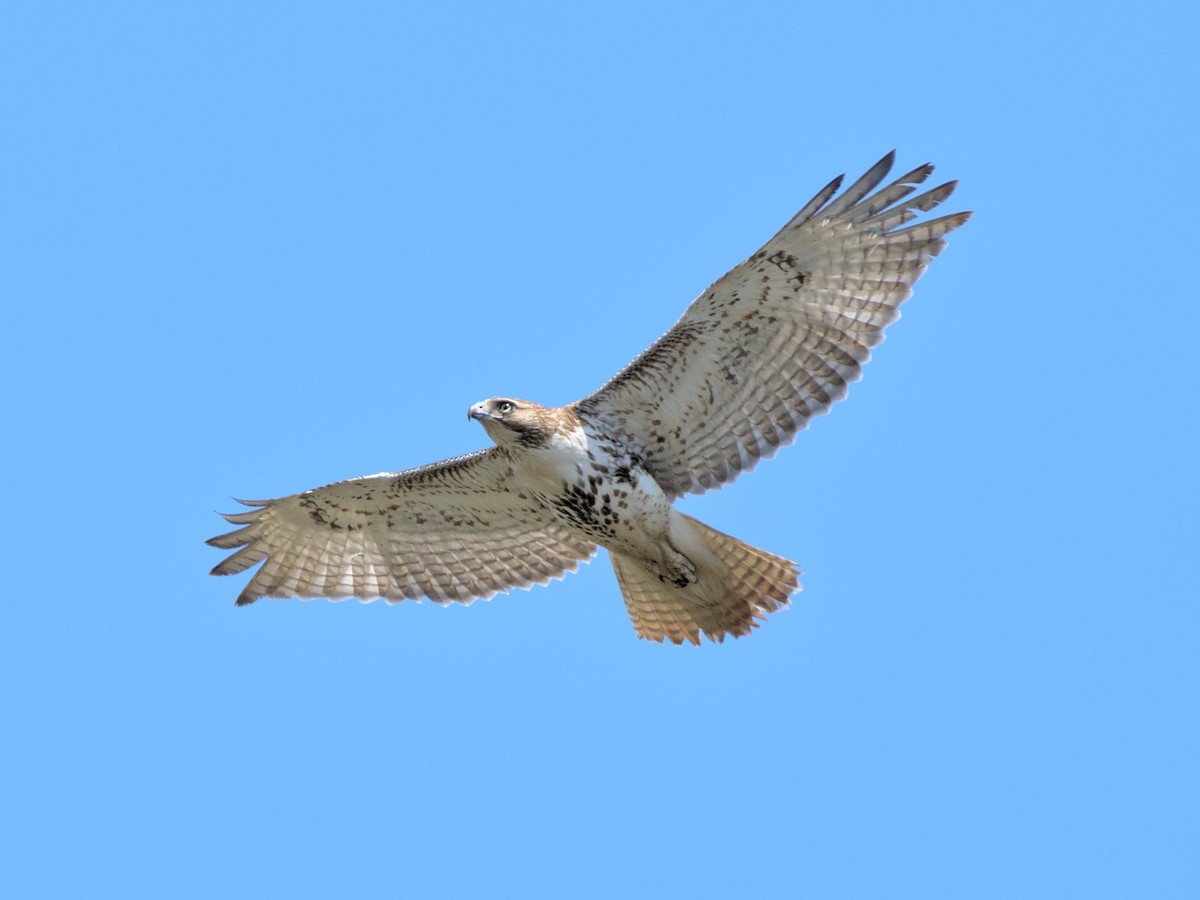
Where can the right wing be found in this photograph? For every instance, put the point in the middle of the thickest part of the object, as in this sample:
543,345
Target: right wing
776,341
453,530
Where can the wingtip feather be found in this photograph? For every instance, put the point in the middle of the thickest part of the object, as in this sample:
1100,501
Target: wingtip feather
861,188
231,540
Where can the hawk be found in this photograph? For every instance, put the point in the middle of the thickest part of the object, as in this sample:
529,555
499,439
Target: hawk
756,356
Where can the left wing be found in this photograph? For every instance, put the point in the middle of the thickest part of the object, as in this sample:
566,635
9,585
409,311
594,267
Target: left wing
777,340
453,530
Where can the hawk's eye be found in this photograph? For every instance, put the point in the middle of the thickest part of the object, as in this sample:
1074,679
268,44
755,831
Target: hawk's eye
505,406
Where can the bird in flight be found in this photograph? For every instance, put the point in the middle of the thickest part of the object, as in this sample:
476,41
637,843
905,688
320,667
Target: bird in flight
756,356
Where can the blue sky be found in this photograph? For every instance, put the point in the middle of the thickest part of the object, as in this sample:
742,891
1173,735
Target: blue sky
254,248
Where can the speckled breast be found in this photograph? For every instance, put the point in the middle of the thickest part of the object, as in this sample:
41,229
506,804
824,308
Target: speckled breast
600,490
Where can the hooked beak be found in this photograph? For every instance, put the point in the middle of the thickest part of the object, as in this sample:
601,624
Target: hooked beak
477,412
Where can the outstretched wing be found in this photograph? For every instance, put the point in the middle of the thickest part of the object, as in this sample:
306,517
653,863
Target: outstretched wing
453,530
777,340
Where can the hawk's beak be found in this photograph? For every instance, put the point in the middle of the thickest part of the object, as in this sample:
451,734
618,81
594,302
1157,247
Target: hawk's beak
477,412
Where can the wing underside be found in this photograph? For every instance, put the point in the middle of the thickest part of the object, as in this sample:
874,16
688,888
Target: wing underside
452,531
778,339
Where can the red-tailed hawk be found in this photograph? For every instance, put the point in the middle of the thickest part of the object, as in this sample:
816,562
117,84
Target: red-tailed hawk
769,346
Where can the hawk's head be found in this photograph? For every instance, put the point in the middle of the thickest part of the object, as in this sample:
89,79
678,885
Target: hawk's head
509,421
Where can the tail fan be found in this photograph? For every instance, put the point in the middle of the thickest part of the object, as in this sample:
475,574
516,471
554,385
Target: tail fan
736,586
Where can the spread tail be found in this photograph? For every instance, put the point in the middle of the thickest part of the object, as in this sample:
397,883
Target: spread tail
735,586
